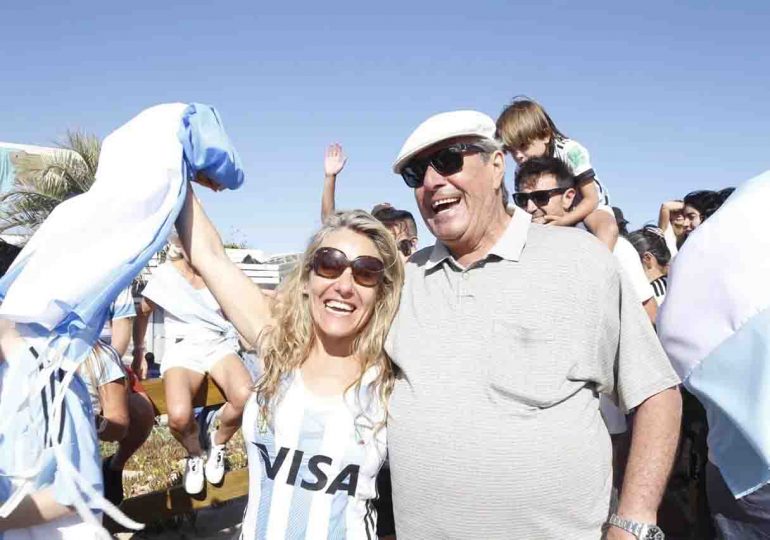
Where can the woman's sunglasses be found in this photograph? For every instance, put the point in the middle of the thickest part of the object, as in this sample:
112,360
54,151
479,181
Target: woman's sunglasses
330,263
446,162
540,198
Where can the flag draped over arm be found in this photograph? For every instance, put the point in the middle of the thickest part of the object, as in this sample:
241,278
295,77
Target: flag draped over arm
59,288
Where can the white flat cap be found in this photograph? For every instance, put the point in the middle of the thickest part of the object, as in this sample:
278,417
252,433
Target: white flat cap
441,127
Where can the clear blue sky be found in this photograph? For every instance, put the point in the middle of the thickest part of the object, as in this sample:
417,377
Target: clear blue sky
668,97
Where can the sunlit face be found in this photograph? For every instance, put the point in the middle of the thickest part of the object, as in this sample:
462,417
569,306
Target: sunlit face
460,209
692,218
535,148
677,222
558,203
340,307
407,244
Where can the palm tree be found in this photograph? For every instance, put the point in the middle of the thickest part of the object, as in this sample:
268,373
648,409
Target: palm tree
45,180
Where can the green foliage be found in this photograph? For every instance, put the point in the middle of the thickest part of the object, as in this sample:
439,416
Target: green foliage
45,180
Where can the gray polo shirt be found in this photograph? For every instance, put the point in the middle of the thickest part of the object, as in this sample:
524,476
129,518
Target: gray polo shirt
495,429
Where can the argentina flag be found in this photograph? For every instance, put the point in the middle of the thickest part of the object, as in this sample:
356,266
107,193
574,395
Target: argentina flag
715,327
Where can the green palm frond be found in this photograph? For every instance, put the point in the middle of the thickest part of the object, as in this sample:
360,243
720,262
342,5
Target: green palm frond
44,181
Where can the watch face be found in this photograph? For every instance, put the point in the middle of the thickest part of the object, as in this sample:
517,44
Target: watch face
654,533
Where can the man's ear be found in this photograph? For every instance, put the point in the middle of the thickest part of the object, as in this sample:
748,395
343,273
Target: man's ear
498,163
568,198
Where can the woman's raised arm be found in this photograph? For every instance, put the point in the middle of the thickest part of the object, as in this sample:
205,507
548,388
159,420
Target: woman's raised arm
241,300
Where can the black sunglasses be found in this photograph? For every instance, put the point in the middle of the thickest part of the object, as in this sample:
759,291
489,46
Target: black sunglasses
540,198
405,247
330,263
446,161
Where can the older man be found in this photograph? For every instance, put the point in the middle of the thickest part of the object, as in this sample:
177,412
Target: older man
504,348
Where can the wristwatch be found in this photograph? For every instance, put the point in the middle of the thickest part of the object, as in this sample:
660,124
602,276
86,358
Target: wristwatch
643,531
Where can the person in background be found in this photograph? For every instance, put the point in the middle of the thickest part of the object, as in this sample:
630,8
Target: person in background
334,161
527,131
671,221
402,226
116,387
199,341
698,206
650,244
546,187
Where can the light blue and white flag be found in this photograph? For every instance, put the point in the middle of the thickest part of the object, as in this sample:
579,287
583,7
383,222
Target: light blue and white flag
715,327
60,287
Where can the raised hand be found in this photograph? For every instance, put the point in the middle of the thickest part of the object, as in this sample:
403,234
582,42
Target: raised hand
334,160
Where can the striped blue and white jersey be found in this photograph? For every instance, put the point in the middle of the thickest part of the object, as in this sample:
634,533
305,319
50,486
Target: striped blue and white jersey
120,308
26,441
312,470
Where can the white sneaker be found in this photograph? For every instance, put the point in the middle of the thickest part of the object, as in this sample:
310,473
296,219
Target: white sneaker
193,475
215,464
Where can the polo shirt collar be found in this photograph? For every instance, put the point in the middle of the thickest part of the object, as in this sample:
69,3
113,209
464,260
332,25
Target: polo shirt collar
509,246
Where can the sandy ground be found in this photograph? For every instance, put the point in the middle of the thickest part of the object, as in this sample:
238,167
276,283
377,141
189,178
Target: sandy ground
221,523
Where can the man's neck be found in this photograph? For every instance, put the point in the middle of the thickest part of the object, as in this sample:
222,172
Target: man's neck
468,255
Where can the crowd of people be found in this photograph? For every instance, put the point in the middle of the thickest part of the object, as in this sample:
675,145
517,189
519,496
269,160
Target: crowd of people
506,381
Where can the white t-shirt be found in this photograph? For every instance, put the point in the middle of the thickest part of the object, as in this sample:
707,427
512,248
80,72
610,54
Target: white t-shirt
629,260
312,473
577,159
174,327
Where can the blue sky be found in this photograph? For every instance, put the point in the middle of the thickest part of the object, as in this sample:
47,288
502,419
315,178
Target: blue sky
668,97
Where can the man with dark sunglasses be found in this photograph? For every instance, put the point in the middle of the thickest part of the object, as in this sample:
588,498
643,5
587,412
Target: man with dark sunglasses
506,334
546,187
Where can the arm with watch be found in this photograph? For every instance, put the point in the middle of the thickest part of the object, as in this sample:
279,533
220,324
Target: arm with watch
653,448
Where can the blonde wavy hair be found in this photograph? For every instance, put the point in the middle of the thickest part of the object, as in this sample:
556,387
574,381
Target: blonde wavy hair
285,345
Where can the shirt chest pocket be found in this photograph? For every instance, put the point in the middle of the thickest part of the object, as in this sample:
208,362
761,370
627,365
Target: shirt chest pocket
527,367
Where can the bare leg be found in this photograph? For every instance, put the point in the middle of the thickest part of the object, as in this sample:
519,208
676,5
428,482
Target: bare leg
180,385
233,378
142,418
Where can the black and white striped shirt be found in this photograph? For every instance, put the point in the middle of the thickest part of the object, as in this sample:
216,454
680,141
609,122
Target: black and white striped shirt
659,286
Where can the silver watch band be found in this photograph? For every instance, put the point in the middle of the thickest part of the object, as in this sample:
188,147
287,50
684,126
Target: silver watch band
642,531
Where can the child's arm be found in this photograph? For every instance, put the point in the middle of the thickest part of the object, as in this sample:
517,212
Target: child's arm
588,203
334,162
603,226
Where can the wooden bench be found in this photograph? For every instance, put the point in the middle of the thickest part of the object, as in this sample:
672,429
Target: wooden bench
161,505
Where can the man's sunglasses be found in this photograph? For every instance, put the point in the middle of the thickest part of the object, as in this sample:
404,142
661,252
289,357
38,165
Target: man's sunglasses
446,162
405,247
330,263
540,198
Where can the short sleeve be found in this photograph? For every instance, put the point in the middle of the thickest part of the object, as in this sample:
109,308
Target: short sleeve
123,306
641,368
578,160
629,261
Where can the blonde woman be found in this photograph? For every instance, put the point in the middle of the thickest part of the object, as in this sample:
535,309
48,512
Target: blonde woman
199,341
315,427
